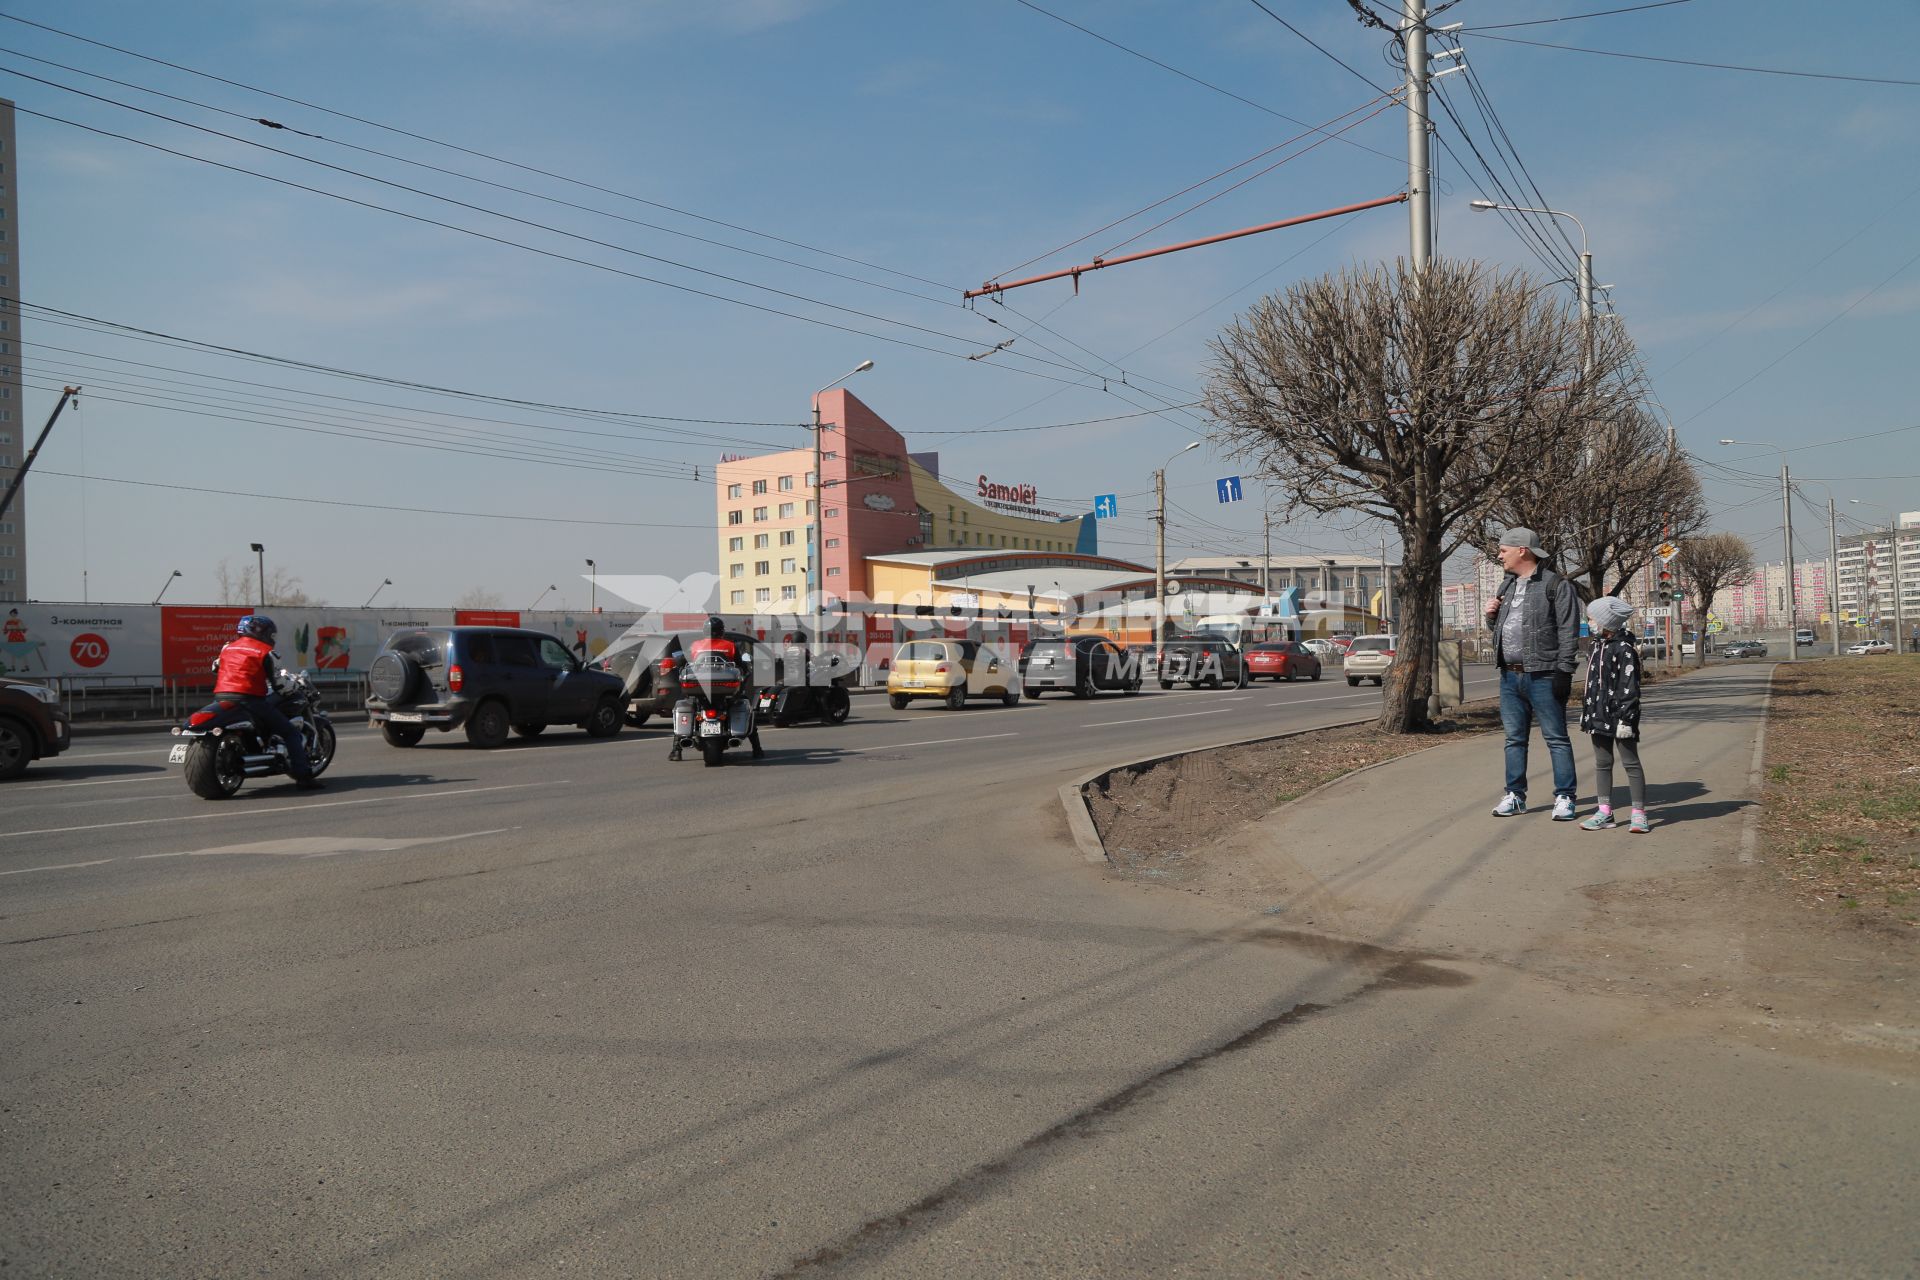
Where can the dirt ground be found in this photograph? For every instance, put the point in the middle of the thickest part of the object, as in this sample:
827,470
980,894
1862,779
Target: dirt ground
1814,949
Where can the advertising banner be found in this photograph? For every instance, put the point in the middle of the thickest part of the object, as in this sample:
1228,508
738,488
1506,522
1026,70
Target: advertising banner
191,636
77,640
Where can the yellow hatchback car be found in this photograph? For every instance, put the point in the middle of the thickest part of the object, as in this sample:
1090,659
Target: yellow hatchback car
952,671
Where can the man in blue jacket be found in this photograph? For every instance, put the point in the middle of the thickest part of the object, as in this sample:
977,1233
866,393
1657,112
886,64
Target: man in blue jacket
1536,639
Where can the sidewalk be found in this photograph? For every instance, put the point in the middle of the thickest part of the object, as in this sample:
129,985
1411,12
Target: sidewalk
1408,855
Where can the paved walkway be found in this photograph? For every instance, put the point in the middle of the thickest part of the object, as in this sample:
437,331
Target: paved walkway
1409,855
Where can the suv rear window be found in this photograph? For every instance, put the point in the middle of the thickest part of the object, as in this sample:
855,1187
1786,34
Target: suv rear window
424,647
1371,644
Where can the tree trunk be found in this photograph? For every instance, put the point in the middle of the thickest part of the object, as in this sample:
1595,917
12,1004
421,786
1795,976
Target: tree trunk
1404,708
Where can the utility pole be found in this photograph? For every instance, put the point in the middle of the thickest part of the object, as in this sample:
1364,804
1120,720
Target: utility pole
1833,576
1386,588
1786,520
1266,561
1413,37
26,463
1159,566
1586,308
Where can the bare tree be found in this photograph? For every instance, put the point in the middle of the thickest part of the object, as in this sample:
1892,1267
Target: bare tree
241,587
478,598
1415,398
1705,567
1609,498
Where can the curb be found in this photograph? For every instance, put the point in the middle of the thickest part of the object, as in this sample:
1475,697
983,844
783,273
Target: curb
1750,830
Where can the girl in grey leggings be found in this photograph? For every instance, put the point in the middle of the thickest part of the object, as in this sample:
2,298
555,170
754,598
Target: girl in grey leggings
1610,712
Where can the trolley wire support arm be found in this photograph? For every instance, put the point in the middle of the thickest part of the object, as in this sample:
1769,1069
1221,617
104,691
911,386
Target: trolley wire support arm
1001,286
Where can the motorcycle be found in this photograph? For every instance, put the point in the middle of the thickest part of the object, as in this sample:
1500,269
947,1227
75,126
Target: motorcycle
713,715
811,689
223,747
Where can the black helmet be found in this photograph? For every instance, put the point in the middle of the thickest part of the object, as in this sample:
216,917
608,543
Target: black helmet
259,626
716,626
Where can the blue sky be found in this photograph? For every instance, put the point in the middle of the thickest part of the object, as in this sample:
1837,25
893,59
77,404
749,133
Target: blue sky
1754,229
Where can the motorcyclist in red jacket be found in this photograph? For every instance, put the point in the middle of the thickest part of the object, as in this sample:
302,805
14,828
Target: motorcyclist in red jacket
245,678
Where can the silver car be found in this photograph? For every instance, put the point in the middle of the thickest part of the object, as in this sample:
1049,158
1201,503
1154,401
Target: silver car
1370,658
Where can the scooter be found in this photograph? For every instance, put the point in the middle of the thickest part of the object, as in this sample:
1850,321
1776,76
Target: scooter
713,715
222,747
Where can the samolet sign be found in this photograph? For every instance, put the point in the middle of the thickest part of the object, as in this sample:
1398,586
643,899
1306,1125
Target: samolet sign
1015,499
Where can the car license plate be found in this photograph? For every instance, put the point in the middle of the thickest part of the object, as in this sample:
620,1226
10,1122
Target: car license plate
179,753
912,684
711,728
406,717
1043,662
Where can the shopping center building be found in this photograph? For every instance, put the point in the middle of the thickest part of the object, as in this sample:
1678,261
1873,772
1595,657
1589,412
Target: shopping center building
879,501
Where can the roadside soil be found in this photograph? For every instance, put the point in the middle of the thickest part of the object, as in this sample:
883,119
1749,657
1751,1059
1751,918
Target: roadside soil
1812,950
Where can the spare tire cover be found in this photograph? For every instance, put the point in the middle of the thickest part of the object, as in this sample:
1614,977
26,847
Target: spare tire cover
392,677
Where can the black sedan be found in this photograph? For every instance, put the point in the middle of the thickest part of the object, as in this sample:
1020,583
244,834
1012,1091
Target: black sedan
1080,665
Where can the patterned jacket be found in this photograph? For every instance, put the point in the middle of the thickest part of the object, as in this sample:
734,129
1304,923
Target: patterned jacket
1613,687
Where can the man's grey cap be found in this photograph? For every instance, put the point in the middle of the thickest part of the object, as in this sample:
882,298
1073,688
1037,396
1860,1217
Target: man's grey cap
1609,613
1521,536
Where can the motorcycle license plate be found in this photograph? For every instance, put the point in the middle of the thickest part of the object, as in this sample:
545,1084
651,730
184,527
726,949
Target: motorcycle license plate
406,717
711,728
178,755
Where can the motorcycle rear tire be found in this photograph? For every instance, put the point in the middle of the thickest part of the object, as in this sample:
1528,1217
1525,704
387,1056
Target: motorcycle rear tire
713,752
214,768
835,705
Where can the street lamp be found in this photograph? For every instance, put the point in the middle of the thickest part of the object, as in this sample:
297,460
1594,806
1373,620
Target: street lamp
1899,613
165,585
260,550
816,570
592,589
1585,284
542,596
1160,553
1786,524
384,584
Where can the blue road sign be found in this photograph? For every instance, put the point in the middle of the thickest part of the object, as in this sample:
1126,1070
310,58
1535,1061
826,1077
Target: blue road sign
1229,488
1106,506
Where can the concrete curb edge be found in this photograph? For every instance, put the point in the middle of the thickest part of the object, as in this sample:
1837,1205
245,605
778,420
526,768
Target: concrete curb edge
1750,829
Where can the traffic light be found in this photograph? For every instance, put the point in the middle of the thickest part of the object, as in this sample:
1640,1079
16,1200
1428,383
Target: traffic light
1664,592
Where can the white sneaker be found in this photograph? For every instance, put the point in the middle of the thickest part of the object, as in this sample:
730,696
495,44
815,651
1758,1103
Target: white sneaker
1563,808
1510,804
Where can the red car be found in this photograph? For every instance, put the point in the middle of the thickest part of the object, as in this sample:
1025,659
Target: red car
1282,660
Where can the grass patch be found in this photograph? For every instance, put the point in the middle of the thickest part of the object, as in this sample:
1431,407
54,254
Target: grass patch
1841,806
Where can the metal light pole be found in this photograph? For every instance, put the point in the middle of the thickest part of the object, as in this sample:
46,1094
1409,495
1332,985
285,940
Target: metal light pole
165,585
1786,526
260,550
1160,553
1585,282
542,596
816,568
384,584
1899,611
593,587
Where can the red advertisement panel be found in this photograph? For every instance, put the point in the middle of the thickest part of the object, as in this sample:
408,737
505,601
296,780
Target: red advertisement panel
191,637
486,618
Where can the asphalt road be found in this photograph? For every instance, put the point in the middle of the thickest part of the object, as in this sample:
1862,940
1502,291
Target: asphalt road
566,1007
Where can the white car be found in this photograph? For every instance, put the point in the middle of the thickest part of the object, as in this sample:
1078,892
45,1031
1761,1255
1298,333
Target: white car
1325,650
1870,646
1370,658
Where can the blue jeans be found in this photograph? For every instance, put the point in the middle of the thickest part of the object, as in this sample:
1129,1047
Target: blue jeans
1525,697
275,721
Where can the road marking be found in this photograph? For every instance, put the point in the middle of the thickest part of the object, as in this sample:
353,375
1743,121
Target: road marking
158,775
325,846
58,866
1241,697
66,756
1180,715
931,742
242,811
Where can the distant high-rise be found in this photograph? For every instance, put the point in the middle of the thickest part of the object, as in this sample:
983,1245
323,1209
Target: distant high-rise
13,442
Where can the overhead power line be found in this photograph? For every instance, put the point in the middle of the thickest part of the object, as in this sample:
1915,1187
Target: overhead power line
1576,17
1713,66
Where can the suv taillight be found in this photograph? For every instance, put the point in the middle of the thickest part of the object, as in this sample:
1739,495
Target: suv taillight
455,677
1388,652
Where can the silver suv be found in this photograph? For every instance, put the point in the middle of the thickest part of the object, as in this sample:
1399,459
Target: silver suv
1370,658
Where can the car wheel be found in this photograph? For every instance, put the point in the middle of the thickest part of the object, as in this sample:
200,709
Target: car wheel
898,701
402,735
1165,685
638,718
1315,675
1131,689
16,748
1290,677
487,726
1083,688
1378,681
835,705
956,697
1353,682
1243,681
606,720
1010,698
530,730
